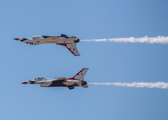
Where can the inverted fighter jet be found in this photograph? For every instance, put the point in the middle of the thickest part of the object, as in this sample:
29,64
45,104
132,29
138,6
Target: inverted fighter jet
64,40
77,80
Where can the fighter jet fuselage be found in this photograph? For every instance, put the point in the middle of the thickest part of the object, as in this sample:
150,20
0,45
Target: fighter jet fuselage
64,40
37,40
77,80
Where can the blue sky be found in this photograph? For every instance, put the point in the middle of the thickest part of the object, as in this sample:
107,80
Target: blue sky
108,61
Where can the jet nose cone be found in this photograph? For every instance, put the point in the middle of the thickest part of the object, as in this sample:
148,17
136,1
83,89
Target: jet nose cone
16,38
24,82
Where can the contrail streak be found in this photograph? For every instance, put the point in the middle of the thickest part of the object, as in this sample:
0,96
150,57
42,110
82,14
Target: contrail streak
146,39
161,85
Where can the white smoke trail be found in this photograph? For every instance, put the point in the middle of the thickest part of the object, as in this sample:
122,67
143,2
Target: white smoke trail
146,39
161,85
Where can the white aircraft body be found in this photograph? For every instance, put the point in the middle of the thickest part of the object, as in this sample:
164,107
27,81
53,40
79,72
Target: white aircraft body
64,40
77,80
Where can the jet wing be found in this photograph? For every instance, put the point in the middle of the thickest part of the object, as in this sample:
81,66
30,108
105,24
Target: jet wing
61,79
72,48
49,83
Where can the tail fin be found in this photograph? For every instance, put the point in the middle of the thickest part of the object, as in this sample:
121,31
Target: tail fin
80,75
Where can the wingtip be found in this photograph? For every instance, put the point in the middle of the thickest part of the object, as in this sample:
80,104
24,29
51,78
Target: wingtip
76,55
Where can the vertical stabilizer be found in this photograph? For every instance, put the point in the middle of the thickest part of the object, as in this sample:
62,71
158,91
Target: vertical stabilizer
80,75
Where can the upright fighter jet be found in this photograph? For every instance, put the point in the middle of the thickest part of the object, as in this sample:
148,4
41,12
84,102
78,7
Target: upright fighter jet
64,40
77,80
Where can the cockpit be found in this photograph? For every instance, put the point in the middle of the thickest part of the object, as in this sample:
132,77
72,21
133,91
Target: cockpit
39,78
63,37
37,37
